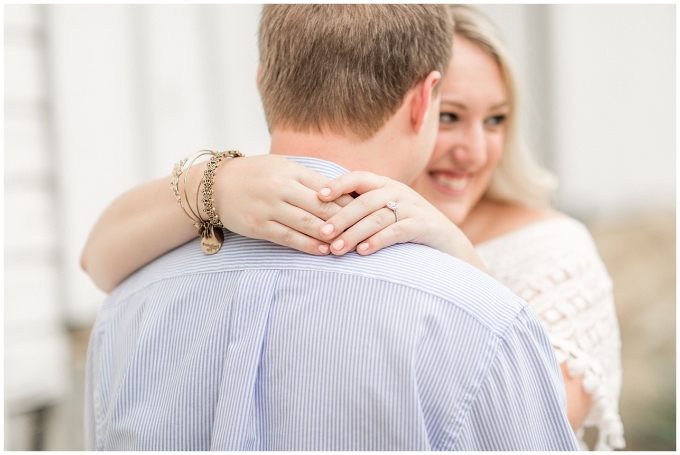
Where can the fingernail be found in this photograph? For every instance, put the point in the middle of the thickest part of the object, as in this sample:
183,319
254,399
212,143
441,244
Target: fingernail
323,248
325,192
338,244
327,229
363,246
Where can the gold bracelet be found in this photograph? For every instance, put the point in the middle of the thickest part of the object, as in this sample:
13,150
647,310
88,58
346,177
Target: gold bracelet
211,238
199,219
177,172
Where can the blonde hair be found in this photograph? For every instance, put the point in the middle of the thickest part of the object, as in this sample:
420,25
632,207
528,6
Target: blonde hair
347,68
517,178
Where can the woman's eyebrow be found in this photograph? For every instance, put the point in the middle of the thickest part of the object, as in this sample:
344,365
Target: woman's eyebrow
464,107
455,103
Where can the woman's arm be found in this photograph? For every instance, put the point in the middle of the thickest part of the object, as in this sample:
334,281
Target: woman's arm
139,226
579,401
267,196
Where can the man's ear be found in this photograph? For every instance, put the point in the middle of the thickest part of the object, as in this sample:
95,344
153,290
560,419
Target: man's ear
257,78
422,97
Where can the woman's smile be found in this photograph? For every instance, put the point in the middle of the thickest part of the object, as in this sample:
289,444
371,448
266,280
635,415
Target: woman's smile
450,182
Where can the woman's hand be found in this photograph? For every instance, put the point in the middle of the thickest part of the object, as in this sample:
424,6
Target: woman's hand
267,196
368,225
273,198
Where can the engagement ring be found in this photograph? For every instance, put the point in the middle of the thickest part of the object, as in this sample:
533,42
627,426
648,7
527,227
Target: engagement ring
393,206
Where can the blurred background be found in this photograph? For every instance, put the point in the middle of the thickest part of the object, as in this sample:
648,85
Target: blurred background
101,98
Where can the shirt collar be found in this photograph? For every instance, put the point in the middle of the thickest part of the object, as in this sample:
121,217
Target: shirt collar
327,168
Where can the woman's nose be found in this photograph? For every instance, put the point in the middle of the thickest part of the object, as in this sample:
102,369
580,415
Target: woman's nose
471,147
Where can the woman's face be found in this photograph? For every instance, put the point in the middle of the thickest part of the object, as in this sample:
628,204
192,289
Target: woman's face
474,106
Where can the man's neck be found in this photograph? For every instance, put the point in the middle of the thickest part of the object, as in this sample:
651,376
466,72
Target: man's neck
350,153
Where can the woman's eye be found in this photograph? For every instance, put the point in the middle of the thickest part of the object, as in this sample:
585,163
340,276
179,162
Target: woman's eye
447,117
495,120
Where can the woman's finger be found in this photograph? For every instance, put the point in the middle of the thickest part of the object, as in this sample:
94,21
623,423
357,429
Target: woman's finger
361,207
284,235
306,199
316,181
309,178
356,181
298,219
401,232
343,200
367,227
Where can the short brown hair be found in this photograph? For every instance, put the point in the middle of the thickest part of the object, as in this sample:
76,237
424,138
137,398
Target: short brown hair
347,68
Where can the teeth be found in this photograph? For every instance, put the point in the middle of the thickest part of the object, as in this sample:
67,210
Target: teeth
456,184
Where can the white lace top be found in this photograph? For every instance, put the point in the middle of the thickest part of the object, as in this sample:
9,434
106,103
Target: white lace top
554,265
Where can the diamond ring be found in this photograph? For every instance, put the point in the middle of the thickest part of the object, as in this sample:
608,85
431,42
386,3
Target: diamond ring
393,206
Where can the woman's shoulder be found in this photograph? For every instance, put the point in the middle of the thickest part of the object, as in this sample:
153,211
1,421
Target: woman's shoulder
535,237
492,220
513,217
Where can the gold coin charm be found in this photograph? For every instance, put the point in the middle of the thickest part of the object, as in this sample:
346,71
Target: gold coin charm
211,240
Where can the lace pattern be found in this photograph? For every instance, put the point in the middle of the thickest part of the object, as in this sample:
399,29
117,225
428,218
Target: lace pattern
554,266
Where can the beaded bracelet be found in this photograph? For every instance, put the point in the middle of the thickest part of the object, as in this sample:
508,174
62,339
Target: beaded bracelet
207,182
211,238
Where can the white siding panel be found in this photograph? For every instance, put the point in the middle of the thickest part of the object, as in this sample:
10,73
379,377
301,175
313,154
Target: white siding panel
29,224
176,75
25,81
96,115
31,302
235,35
199,71
512,20
40,380
35,344
25,16
26,147
615,116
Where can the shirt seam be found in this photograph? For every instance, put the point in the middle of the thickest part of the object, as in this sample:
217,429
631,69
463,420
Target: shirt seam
463,418
523,304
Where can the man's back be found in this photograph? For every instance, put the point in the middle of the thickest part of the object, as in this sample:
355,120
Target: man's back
265,348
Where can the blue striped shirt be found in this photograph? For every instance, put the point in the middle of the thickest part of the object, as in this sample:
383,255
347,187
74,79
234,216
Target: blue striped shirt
261,347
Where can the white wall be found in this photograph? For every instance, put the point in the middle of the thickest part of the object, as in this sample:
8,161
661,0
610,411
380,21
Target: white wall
35,345
615,105
601,83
